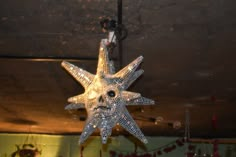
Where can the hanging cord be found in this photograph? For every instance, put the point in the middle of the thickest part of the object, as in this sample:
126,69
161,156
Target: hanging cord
30,140
116,34
190,149
121,32
187,124
110,25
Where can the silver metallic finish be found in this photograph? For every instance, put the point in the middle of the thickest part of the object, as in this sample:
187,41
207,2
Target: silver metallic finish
105,97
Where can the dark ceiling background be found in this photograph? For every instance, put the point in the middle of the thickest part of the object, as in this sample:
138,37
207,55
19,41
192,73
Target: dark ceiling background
189,62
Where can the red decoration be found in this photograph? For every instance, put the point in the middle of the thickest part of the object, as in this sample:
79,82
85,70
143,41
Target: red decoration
179,142
134,155
120,155
147,155
215,149
191,147
112,153
168,148
185,139
190,154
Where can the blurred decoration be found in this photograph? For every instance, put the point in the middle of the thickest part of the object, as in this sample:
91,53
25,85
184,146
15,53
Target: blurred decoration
177,125
216,149
80,114
191,149
159,120
205,149
27,150
228,152
168,148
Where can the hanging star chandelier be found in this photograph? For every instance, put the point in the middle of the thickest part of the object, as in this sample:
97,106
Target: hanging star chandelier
105,97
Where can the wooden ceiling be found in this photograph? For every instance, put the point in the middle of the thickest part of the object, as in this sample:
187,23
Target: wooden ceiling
189,62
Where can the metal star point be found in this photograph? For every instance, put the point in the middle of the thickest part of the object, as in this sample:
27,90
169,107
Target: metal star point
105,97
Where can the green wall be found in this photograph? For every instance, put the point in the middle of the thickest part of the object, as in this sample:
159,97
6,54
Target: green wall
67,146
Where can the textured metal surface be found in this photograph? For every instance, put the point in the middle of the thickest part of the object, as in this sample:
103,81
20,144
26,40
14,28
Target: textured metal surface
105,96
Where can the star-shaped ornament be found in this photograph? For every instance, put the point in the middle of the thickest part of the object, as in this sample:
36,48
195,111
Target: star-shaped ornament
105,97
